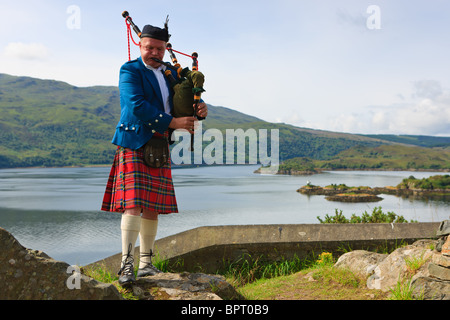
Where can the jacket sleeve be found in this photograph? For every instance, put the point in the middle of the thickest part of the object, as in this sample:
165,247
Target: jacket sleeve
143,106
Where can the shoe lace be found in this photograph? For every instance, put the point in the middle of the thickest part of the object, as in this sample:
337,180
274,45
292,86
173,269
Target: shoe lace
127,267
149,264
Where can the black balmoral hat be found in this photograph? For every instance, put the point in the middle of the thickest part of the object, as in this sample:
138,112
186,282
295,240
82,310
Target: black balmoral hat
155,33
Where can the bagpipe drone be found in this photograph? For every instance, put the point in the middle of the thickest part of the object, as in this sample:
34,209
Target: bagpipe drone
187,86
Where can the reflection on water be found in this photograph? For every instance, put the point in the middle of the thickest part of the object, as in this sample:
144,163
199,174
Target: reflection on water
56,210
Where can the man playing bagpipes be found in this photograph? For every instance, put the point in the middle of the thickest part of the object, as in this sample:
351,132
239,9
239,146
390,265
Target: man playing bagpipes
142,191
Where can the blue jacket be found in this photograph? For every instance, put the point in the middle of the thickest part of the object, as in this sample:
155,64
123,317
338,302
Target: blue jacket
142,109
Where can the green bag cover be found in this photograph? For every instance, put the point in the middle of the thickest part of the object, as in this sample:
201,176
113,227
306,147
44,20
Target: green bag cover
183,99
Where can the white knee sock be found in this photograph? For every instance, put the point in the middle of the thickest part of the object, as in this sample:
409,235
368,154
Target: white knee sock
147,237
130,226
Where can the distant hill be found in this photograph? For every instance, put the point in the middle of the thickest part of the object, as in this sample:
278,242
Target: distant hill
383,157
52,123
422,141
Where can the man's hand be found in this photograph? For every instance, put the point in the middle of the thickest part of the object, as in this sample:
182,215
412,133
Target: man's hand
202,110
187,123
190,123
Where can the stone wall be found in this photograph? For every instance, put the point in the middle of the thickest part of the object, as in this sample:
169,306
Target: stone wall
205,249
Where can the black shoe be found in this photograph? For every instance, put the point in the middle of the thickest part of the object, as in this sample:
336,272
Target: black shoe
126,273
149,269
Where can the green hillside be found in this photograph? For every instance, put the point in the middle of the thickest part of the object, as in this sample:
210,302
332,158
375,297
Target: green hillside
383,157
51,123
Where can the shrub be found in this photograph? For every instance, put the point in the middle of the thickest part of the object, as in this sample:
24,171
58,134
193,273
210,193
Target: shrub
377,216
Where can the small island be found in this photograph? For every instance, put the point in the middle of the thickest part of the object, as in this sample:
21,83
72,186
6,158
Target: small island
354,197
344,193
435,186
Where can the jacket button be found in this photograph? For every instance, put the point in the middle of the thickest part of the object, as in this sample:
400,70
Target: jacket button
153,131
160,115
156,120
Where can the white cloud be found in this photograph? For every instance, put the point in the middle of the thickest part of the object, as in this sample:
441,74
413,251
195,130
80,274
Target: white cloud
26,51
427,116
427,89
427,113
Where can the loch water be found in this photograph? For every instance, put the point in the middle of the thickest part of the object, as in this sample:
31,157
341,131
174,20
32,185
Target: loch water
57,210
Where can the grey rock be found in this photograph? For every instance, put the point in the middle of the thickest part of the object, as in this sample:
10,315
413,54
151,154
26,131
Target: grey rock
184,286
431,288
441,260
444,228
431,281
360,262
395,267
439,272
28,274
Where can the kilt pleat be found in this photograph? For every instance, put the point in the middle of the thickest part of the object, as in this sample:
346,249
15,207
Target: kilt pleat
132,184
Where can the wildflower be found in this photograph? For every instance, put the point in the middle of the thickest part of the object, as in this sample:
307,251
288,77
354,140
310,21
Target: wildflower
325,258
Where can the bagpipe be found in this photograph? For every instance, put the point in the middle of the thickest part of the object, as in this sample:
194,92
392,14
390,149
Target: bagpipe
187,85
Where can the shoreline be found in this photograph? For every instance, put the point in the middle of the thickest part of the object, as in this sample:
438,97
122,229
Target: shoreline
369,194
257,171
319,171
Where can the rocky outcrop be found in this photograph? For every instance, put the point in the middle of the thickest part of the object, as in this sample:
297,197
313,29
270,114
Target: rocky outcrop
27,274
360,262
343,194
403,263
184,286
333,191
354,197
425,268
342,189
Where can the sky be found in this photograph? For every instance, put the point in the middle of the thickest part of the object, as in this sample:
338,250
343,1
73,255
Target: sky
356,66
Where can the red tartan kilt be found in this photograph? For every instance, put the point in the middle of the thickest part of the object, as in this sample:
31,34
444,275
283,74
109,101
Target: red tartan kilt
133,184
